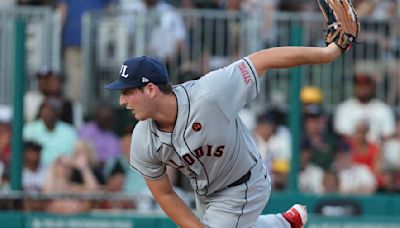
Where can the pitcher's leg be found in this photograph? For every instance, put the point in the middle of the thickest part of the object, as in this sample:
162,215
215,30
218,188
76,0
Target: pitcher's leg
295,217
272,220
239,206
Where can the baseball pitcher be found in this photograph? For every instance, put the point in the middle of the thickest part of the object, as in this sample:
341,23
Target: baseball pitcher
194,127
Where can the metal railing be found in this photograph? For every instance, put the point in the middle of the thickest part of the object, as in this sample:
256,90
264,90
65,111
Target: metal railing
138,202
212,39
42,44
216,38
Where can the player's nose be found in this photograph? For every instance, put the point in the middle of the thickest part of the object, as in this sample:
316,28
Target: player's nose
122,100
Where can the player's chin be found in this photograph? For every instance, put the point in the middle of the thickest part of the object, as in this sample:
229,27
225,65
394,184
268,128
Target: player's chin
139,117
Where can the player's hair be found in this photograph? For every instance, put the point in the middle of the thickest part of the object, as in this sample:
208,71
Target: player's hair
165,89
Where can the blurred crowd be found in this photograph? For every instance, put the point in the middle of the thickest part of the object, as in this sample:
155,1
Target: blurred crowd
354,149
65,151
194,47
59,157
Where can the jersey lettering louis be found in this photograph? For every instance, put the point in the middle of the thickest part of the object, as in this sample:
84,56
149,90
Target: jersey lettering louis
199,152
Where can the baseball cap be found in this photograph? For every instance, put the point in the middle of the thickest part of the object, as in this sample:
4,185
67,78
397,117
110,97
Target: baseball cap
138,71
313,110
46,71
363,79
267,117
311,95
280,166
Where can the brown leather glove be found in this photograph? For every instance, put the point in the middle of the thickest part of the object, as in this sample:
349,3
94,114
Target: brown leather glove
342,21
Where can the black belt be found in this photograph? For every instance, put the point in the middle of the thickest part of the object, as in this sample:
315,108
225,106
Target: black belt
242,180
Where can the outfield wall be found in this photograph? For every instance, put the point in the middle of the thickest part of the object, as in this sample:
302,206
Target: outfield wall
375,211
125,220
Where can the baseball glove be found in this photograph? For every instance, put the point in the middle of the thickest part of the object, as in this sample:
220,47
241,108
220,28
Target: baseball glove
342,21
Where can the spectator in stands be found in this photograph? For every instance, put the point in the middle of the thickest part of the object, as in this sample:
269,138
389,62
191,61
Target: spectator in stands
364,106
162,19
134,182
98,132
50,84
279,175
273,140
85,163
34,98
56,137
311,176
58,180
33,175
58,176
391,150
116,179
363,150
319,145
33,172
71,12
313,95
5,136
73,174
261,9
353,178
316,135
115,184
330,182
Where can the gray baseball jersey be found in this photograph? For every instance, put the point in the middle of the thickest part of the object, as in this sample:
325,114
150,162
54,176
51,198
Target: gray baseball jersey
209,143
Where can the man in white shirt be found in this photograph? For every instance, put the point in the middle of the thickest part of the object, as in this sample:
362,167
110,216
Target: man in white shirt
365,107
353,178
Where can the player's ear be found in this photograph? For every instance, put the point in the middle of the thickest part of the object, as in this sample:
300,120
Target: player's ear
150,89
